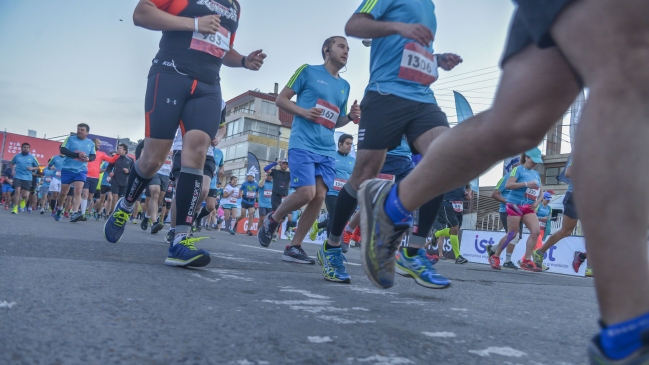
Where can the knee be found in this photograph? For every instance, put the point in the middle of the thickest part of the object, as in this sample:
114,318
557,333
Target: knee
306,194
525,130
535,232
454,231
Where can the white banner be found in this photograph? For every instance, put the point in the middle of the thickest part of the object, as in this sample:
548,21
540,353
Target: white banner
558,258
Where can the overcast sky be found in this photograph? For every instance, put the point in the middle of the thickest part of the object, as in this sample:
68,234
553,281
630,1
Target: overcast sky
67,62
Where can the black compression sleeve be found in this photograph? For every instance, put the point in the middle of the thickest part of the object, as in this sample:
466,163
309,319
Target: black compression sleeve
69,153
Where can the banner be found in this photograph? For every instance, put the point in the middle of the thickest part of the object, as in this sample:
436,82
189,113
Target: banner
42,149
242,227
509,163
464,111
558,258
107,143
253,166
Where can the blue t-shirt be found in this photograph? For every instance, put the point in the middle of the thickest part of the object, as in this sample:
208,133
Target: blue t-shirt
524,195
105,177
402,150
501,186
22,162
214,181
218,157
315,87
543,211
248,192
265,193
344,168
570,185
57,162
47,176
401,66
75,144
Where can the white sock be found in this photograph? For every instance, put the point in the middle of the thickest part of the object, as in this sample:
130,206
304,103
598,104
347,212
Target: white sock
84,205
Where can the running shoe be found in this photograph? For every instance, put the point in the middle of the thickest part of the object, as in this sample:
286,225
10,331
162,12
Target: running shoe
183,253
461,260
6,207
265,232
313,232
170,236
66,215
344,246
29,210
14,210
433,258
210,228
76,217
199,228
248,233
356,236
42,211
22,205
420,268
114,226
597,357
20,210
333,268
490,251
347,236
57,216
145,223
296,254
494,261
232,232
157,227
382,237
589,272
528,265
537,257
510,265
578,260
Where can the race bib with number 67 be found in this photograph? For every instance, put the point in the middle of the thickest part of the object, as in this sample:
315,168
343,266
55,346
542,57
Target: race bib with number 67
329,115
418,65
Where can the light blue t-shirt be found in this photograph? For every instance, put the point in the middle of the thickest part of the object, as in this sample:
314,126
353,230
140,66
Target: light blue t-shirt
105,177
57,162
344,168
524,195
265,193
75,144
316,87
543,211
47,176
218,159
22,162
402,150
401,66
501,186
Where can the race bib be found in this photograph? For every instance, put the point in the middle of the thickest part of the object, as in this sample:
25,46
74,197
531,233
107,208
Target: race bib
387,177
233,199
216,45
339,183
542,224
58,174
418,65
268,193
48,179
532,194
458,206
250,194
329,115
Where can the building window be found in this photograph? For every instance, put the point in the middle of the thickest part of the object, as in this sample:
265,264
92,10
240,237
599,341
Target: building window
236,151
551,175
268,107
261,128
234,127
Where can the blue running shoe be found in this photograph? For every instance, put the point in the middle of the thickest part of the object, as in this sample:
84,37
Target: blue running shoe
420,269
333,268
383,236
114,226
58,215
184,253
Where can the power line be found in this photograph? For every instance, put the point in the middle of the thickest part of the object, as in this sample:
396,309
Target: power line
466,73
464,78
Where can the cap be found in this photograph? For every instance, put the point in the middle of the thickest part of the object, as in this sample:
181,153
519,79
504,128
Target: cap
250,174
283,160
547,196
535,155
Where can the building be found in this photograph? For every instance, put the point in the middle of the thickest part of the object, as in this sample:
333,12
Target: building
254,124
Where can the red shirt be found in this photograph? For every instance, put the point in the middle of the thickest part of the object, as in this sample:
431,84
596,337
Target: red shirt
94,166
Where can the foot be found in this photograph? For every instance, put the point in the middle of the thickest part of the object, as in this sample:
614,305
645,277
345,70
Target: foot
529,265
589,272
494,261
461,260
510,265
296,254
420,268
183,253
333,268
490,251
170,236
76,217
157,227
248,233
42,211
14,210
356,236
145,224
577,260
432,258
382,237
29,210
597,356
265,232
232,232
114,226
537,257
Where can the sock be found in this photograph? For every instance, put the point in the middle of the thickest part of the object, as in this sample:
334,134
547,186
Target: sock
455,243
179,237
328,246
228,224
135,185
411,251
188,190
345,207
446,232
621,340
394,209
84,205
52,204
508,257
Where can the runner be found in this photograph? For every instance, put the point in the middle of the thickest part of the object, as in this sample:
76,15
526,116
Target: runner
33,195
78,151
249,193
48,175
544,214
153,193
281,178
22,165
118,173
92,180
215,191
499,195
321,106
451,217
55,184
229,202
103,204
7,189
265,195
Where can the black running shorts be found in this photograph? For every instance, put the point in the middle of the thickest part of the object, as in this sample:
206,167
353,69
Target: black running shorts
105,189
22,184
275,201
448,217
245,205
569,207
208,168
174,100
385,118
212,193
120,191
531,24
91,185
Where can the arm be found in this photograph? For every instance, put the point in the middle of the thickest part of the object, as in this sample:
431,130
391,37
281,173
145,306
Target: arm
498,196
270,166
513,185
68,153
148,16
353,115
253,61
284,102
219,135
92,157
363,25
569,171
226,193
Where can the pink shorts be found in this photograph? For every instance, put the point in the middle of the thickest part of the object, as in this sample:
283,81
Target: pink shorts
519,210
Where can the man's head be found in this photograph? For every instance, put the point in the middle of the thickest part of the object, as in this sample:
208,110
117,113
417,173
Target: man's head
345,143
283,164
24,148
97,143
82,130
250,177
269,177
335,50
122,149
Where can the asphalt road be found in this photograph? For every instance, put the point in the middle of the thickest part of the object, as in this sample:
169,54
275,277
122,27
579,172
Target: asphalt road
69,297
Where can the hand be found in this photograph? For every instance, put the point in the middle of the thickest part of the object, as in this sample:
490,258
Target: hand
312,114
82,155
448,61
111,174
533,185
255,60
221,171
417,32
125,170
216,141
355,112
209,24
86,159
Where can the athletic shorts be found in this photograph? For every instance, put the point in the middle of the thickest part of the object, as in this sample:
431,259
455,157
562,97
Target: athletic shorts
6,188
245,205
22,184
531,24
208,168
105,189
306,165
503,219
91,185
229,206
569,207
55,185
399,166
275,201
173,99
120,191
97,195
68,177
212,193
523,209
32,189
167,205
264,211
448,217
44,189
386,118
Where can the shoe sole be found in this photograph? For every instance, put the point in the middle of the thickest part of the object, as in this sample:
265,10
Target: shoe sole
335,280
408,274
155,231
261,243
297,261
198,261
106,237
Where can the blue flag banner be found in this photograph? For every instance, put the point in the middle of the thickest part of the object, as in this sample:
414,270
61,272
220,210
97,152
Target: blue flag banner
509,163
464,112
253,166
107,143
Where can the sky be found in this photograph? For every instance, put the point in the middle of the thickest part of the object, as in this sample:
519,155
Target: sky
68,62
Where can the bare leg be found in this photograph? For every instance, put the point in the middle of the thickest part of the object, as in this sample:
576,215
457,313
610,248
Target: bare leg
310,213
532,224
154,191
567,227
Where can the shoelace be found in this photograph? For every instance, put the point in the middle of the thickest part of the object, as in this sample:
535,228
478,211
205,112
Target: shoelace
120,218
189,242
423,261
336,259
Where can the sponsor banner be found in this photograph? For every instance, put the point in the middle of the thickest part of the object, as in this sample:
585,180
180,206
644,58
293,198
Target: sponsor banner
558,258
107,143
242,227
42,149
253,166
